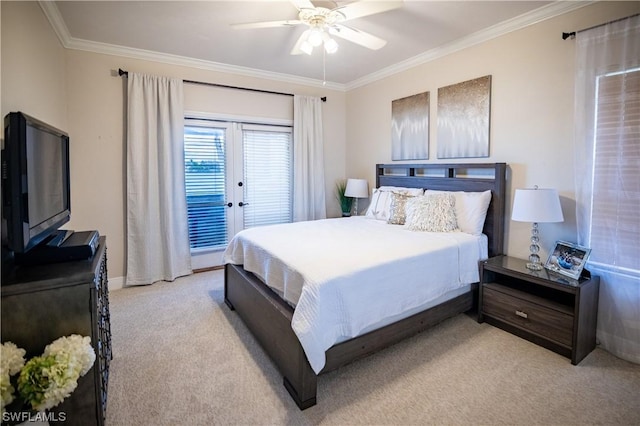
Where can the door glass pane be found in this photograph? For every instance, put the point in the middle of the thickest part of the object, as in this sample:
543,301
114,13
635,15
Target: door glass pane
205,186
267,176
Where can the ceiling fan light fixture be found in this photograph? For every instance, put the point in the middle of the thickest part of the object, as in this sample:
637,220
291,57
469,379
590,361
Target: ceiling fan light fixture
323,24
306,47
330,45
315,37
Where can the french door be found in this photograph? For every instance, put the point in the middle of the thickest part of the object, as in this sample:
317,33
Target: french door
237,176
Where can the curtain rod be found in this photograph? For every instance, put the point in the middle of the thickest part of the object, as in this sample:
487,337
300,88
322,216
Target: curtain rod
122,72
572,35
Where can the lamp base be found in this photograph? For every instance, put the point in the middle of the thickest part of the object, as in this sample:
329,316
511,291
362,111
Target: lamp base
534,260
534,266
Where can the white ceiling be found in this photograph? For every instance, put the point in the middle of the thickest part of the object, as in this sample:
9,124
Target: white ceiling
198,33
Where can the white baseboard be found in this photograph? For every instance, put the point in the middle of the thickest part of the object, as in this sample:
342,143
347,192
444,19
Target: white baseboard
116,283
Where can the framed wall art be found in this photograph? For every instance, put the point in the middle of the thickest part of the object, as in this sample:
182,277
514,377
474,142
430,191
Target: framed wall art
410,127
463,119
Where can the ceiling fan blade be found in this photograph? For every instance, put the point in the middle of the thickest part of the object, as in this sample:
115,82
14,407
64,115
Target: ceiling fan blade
367,7
302,4
267,24
296,48
358,37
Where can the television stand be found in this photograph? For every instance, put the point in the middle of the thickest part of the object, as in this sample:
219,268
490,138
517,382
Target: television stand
44,302
63,246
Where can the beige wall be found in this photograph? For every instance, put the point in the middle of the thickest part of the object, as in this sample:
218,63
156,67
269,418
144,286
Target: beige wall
531,111
33,65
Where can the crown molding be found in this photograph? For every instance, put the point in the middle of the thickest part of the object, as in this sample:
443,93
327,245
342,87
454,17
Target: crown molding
165,58
55,19
538,15
543,13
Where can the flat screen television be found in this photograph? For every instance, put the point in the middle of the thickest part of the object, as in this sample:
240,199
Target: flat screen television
35,181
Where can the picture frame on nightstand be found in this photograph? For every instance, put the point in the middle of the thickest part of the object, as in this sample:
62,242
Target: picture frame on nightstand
568,259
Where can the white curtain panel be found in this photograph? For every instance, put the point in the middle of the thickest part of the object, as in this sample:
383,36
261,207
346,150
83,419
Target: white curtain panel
157,228
308,159
607,175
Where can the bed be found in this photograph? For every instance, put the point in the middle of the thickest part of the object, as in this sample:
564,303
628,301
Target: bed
269,312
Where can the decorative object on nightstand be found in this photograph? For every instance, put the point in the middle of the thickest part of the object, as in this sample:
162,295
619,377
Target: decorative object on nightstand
536,206
357,188
568,259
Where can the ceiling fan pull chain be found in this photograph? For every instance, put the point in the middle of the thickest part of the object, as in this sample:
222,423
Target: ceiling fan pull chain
324,68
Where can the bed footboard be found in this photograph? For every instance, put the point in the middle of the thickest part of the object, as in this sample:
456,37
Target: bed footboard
269,320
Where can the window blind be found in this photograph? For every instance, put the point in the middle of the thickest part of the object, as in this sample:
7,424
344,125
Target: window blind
205,186
267,175
615,224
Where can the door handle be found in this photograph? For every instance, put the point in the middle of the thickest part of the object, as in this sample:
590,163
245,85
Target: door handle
242,204
229,204
522,314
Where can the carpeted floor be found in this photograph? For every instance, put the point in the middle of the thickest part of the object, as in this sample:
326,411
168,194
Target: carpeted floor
181,357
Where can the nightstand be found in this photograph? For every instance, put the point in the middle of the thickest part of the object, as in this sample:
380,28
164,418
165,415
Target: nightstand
553,311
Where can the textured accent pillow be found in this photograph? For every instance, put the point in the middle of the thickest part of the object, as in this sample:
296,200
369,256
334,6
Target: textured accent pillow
471,209
380,205
397,211
432,213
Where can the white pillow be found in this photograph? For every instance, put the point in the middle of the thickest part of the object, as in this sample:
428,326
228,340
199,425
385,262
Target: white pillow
380,205
432,213
471,209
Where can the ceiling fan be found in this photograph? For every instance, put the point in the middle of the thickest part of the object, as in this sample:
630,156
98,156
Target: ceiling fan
323,23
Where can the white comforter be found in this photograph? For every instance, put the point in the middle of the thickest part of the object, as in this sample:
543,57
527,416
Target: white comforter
345,275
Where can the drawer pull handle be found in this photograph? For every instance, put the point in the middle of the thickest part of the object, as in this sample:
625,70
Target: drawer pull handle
522,314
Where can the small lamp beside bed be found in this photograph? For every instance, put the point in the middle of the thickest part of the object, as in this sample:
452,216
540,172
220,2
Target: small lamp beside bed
357,188
536,206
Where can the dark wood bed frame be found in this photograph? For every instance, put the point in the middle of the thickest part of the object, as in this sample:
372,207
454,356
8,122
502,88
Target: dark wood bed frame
268,317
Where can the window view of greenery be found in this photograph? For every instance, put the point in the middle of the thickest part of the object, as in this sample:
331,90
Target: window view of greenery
205,186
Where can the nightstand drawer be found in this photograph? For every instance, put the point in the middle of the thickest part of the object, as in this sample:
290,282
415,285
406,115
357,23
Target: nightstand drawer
541,320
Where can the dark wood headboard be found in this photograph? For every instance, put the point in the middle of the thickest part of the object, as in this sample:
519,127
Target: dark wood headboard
470,177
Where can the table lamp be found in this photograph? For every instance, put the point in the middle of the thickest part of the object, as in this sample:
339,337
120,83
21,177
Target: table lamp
536,206
357,188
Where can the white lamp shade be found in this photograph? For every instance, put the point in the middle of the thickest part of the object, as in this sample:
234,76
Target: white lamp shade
357,188
537,205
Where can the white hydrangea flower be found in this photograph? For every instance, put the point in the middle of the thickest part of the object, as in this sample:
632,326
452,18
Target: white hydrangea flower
63,379
62,363
81,355
6,391
11,361
11,358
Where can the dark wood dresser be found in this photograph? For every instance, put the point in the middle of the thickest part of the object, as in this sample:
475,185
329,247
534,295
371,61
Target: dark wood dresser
44,302
550,310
